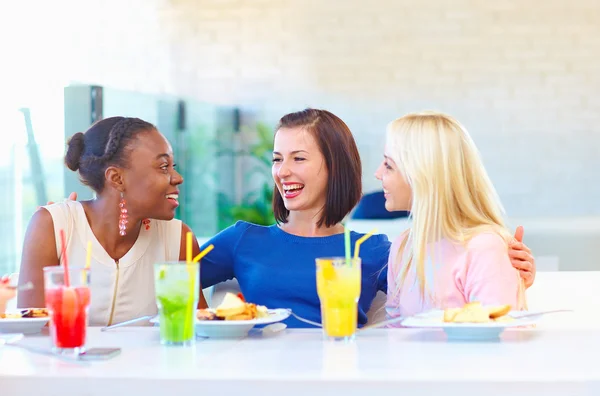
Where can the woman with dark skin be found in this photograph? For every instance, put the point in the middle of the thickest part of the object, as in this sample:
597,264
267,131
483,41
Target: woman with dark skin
130,166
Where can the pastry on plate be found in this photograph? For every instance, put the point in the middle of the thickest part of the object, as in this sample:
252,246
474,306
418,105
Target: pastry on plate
474,312
233,307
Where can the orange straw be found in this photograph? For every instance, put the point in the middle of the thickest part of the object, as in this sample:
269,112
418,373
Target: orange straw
63,248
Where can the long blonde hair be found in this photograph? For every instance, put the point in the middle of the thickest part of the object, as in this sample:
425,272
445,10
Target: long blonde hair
452,194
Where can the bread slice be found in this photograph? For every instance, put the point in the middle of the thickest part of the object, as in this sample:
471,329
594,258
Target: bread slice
231,305
261,311
472,314
242,316
496,312
450,314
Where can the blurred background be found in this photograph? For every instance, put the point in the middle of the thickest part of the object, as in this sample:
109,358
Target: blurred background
216,75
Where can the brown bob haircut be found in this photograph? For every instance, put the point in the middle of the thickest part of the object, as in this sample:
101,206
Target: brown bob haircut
336,143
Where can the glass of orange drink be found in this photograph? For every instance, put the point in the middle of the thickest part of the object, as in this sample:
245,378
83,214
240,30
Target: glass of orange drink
338,286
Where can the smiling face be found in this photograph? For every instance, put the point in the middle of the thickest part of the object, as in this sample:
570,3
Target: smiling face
299,170
151,181
397,191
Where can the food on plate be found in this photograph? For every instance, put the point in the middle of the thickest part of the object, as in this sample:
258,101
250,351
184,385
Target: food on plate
233,308
498,312
26,313
11,315
474,312
450,313
205,314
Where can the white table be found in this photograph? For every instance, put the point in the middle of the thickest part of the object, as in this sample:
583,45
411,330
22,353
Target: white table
298,362
578,290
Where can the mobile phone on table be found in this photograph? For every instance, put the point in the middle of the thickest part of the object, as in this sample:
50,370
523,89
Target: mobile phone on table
99,353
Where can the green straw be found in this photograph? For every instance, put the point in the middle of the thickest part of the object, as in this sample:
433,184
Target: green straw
347,244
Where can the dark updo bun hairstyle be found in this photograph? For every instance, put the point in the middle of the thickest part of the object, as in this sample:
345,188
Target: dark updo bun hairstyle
104,144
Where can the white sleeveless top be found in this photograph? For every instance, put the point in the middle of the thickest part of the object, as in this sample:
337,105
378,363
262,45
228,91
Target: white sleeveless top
120,290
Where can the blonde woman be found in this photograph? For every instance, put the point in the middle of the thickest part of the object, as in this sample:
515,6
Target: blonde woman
456,249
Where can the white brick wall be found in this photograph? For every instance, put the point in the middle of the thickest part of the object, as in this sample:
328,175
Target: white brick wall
524,76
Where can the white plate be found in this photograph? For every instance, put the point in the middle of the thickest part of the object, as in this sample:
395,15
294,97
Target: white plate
23,325
234,328
468,331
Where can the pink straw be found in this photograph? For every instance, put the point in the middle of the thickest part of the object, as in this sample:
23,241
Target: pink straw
63,248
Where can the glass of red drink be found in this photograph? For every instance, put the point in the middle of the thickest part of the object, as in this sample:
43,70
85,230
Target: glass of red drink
68,308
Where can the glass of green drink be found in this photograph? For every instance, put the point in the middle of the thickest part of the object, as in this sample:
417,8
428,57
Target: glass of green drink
176,287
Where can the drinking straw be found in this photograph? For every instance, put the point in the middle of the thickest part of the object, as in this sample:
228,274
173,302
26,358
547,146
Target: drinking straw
203,253
361,240
347,244
188,247
88,258
190,267
88,263
63,248
192,283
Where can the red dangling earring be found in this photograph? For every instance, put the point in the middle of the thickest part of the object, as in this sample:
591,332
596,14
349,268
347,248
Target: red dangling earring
122,216
146,223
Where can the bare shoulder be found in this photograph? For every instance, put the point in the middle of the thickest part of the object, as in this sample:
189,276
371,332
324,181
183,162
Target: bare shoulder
41,223
39,251
183,242
185,228
40,233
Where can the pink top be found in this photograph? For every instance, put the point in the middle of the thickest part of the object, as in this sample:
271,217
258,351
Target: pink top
480,271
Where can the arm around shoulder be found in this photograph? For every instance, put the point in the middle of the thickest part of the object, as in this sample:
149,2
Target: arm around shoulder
490,277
